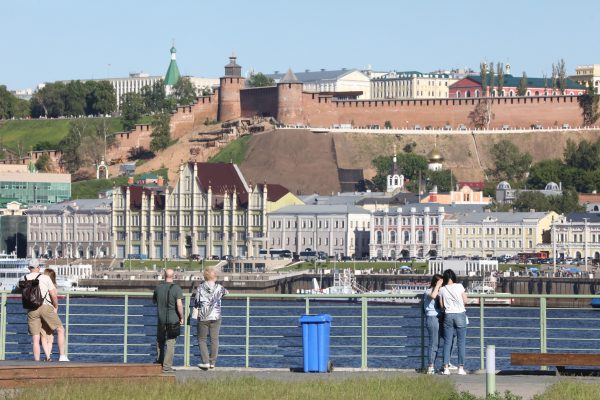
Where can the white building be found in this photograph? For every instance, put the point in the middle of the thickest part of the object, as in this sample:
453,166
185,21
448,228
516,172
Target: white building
411,85
395,180
577,235
463,267
338,230
344,80
411,231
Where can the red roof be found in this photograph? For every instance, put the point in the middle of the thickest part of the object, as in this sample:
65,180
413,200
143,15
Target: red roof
221,177
274,191
479,185
135,196
585,198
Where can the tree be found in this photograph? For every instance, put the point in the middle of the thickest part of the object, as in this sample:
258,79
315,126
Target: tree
444,180
85,142
483,77
101,98
411,165
184,92
500,73
387,124
161,132
559,76
492,79
509,163
11,106
567,202
155,98
522,88
482,115
44,163
259,80
49,101
45,145
132,108
409,147
585,155
75,98
545,171
588,103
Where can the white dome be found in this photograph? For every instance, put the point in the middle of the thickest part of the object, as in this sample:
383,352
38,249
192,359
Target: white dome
552,186
503,185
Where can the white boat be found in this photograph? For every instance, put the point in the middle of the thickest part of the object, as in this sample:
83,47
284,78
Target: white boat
411,293
12,269
486,286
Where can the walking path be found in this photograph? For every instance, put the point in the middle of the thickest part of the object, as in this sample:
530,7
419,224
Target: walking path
523,385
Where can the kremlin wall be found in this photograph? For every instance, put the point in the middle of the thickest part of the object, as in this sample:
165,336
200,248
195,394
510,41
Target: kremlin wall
290,105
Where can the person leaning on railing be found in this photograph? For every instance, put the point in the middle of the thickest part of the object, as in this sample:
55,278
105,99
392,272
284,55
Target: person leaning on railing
207,310
432,315
168,299
453,299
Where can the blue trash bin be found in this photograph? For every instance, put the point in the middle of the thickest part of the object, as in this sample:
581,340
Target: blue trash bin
315,342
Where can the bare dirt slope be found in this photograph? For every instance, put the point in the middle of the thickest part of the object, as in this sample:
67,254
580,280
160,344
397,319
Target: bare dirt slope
300,160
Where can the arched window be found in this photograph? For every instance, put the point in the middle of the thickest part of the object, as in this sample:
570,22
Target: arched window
379,237
537,93
529,93
476,93
406,237
511,93
458,93
468,94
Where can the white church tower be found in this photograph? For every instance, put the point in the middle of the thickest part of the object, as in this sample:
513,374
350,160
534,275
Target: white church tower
395,181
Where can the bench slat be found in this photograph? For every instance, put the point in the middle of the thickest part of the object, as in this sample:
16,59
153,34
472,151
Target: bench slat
555,359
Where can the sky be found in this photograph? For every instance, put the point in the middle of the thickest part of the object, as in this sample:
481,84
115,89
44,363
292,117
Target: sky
44,41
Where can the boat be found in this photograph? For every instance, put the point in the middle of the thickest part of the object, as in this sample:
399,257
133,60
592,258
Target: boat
488,287
411,293
596,301
12,269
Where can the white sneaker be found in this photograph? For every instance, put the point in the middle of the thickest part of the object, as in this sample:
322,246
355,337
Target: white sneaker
461,371
63,358
204,366
450,366
430,371
446,371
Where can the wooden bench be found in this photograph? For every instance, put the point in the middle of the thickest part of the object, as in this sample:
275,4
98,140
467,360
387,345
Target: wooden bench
558,360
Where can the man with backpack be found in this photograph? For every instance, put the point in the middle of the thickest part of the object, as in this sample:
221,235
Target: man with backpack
168,299
41,302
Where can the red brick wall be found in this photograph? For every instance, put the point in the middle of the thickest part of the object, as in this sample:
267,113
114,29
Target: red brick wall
516,112
229,98
259,101
188,118
290,103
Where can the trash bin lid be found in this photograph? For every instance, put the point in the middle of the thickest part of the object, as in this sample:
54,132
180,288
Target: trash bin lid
314,318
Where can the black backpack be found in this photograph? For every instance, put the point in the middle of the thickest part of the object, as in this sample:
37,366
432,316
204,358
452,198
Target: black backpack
31,294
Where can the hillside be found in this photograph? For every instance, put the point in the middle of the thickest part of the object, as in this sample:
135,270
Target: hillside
32,131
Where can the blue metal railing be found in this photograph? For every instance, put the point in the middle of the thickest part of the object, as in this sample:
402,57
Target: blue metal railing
261,330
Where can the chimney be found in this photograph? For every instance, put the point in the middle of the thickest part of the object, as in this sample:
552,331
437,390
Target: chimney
130,180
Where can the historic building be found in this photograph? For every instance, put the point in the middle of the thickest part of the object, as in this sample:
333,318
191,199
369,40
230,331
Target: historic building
414,230
505,194
471,87
464,195
585,74
411,85
487,234
25,185
395,180
210,211
336,229
73,229
338,81
576,235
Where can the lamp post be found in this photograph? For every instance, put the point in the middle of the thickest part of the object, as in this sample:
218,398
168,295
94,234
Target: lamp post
554,248
585,243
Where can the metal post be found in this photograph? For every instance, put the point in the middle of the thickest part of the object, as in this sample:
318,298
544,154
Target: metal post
125,327
307,306
364,333
67,312
490,370
247,332
543,323
3,328
186,332
481,331
554,249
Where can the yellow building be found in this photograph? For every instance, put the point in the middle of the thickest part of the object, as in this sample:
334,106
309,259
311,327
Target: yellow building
279,197
411,85
465,195
587,73
487,234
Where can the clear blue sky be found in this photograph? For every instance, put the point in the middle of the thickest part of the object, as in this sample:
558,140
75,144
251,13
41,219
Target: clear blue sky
43,41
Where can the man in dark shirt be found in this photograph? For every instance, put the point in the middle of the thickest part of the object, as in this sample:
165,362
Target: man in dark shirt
168,299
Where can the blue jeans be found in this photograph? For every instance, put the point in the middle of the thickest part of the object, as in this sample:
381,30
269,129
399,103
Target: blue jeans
435,329
455,323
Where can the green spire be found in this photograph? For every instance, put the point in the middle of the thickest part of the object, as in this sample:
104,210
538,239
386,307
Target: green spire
172,75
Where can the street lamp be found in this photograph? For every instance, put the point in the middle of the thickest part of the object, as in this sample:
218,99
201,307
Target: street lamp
585,243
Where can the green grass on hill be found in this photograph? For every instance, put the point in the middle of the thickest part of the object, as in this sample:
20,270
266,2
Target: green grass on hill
32,131
90,189
234,152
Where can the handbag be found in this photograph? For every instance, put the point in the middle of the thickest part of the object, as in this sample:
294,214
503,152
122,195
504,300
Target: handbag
173,330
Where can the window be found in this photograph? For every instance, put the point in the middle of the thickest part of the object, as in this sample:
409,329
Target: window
393,237
378,236
406,237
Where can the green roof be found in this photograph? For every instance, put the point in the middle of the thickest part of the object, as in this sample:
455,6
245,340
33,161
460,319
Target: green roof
172,75
513,81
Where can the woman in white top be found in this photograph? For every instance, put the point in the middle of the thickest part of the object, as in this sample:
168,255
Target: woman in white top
453,299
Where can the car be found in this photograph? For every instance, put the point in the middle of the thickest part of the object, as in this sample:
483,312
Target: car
216,258
196,257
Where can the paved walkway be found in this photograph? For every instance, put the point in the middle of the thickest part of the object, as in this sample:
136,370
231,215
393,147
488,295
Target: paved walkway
523,385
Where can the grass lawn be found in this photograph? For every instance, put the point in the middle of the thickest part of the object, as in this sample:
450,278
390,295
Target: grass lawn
90,189
33,131
188,265
234,151
247,389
